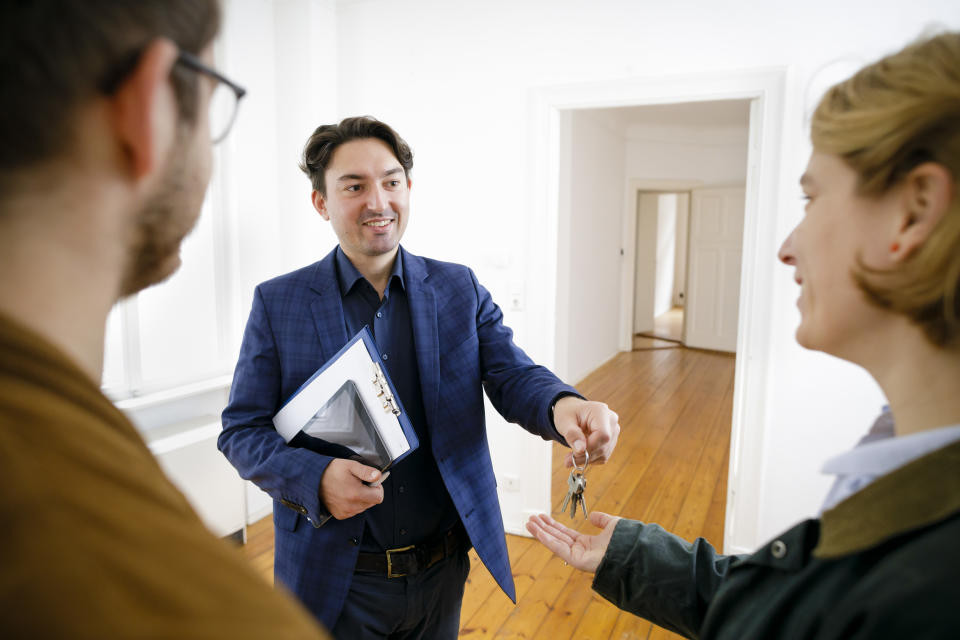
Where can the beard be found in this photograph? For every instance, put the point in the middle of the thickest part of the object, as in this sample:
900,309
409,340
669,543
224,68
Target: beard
165,219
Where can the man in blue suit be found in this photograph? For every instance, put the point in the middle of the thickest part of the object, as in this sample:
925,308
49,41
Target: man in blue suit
392,561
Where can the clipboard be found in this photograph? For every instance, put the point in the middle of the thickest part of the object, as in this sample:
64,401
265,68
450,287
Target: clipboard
349,408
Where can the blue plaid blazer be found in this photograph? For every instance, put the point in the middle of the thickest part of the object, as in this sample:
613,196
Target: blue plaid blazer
296,324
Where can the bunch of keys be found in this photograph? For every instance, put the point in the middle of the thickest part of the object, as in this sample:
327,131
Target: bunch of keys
576,483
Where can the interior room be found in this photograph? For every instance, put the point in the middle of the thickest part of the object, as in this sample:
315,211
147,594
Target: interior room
610,171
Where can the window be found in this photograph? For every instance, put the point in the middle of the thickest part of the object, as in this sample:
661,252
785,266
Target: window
176,334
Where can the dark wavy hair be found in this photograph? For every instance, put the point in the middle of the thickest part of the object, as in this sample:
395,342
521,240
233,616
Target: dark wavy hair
327,137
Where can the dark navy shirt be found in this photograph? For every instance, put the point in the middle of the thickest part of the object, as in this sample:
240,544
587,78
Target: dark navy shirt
416,506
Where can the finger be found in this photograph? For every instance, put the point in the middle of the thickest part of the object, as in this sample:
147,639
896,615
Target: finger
600,519
599,438
556,532
553,544
559,530
547,523
367,496
379,481
363,472
601,443
599,447
578,444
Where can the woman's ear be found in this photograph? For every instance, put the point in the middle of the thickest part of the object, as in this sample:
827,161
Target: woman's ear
927,193
144,109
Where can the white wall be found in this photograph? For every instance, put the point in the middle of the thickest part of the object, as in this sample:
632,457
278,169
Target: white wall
666,253
644,263
456,80
716,155
285,54
596,209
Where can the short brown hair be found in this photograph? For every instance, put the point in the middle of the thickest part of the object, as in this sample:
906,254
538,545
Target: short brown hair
54,56
326,138
887,119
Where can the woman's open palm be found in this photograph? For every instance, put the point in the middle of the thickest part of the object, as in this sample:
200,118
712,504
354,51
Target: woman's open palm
580,550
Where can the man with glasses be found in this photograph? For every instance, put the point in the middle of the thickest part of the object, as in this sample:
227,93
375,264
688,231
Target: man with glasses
105,158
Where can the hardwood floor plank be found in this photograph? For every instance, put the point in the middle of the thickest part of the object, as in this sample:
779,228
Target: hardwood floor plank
481,585
488,620
598,620
567,610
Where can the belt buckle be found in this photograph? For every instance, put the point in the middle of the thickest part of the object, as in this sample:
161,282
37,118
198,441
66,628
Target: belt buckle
390,573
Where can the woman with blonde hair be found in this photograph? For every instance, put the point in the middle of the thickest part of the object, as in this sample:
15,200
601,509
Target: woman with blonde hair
877,258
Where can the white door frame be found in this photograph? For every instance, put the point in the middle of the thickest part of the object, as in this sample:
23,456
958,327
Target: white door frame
765,89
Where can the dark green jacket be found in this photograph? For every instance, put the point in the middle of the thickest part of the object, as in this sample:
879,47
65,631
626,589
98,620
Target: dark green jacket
884,563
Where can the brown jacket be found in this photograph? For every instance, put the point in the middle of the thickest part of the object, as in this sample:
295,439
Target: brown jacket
95,542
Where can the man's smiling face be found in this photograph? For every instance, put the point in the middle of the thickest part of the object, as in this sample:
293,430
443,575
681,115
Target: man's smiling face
367,199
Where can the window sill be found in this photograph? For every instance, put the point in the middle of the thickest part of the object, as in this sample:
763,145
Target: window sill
178,408
174,394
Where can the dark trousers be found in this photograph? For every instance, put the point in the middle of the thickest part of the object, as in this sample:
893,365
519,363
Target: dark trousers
421,607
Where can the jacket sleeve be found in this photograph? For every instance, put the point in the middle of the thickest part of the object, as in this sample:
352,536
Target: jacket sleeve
522,391
659,576
288,474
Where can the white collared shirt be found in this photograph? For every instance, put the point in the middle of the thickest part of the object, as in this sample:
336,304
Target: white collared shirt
878,454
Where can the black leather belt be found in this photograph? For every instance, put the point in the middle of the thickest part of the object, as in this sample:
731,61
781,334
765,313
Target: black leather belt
411,560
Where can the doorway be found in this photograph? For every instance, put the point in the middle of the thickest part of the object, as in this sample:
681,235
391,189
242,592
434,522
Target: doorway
550,333
688,248
660,269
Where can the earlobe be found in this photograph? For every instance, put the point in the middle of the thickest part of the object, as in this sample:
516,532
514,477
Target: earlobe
144,109
928,191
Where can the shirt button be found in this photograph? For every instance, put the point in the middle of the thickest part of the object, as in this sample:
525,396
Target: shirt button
400,488
403,532
354,541
778,549
379,315
385,357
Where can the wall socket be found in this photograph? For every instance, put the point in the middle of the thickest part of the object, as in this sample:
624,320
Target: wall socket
509,482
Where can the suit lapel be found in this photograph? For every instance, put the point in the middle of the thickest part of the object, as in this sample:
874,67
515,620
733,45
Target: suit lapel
423,318
327,308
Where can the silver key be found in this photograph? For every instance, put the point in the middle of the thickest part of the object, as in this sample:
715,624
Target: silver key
572,487
578,498
576,483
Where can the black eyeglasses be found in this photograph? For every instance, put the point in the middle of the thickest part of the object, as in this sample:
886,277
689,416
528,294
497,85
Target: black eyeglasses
225,100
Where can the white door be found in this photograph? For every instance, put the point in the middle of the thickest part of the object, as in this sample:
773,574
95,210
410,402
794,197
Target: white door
713,268
644,283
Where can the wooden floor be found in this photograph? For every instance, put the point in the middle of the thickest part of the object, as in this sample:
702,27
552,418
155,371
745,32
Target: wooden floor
670,467
668,325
